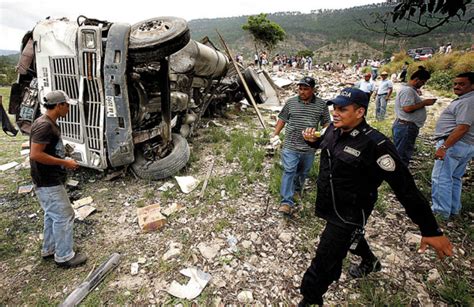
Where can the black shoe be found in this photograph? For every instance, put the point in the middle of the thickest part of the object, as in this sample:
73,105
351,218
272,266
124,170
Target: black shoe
48,257
365,268
77,260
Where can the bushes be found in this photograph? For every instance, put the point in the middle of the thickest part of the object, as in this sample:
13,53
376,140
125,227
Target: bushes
441,80
443,67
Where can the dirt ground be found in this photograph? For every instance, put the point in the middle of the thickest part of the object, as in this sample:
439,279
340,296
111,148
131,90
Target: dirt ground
234,233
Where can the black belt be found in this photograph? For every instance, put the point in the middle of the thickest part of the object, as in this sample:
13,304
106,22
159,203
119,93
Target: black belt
382,94
401,121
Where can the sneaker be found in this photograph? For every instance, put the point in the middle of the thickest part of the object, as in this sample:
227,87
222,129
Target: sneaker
77,260
364,268
285,209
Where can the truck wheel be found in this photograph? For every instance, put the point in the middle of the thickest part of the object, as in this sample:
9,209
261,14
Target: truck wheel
165,167
156,38
253,81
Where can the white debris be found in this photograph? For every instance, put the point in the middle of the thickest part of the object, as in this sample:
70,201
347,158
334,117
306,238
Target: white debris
187,183
245,297
166,187
7,166
172,209
134,268
197,282
82,202
208,251
285,237
173,251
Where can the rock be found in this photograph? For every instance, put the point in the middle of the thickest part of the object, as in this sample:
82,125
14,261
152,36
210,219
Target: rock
141,260
412,238
433,275
246,244
134,268
245,297
173,251
208,251
285,237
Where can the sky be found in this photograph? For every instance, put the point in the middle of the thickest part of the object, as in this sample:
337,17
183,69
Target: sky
19,16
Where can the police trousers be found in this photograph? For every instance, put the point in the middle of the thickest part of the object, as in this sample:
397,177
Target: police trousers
326,266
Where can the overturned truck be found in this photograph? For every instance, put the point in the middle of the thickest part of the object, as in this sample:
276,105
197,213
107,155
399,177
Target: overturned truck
142,89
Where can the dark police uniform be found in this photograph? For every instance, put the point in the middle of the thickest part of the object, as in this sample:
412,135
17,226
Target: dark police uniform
353,165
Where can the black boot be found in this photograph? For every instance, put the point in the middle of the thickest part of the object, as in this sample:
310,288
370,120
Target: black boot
365,268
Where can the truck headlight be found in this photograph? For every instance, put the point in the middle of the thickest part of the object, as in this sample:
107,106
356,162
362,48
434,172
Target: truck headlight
89,40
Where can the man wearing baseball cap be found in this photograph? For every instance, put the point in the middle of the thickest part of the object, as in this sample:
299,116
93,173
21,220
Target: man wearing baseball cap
48,171
297,157
384,91
355,159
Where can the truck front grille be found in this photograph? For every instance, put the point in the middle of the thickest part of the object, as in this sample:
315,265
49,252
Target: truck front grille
66,78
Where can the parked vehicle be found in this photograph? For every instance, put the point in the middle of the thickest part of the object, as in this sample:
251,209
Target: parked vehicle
142,89
421,54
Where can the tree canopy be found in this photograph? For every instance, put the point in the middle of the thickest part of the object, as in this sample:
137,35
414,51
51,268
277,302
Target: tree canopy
264,31
414,18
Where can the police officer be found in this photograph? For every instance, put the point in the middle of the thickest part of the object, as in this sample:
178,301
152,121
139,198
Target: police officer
355,159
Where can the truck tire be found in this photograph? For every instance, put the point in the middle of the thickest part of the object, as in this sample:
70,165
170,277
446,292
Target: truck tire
166,166
155,38
253,81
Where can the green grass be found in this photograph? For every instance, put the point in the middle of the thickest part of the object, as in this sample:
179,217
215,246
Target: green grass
455,290
372,293
220,225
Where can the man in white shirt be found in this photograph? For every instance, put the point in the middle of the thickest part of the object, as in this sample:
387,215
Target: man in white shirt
384,91
366,85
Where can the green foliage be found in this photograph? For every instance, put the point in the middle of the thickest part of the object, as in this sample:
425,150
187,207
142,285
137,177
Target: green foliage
372,294
455,290
7,69
441,80
264,31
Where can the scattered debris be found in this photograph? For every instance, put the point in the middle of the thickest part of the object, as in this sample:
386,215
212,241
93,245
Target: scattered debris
25,189
83,212
173,251
72,182
197,282
208,251
245,297
82,207
187,183
7,166
173,208
150,217
134,268
165,187
82,202
91,281
112,176
208,175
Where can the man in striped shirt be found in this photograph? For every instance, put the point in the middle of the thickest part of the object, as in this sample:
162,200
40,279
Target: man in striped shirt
300,112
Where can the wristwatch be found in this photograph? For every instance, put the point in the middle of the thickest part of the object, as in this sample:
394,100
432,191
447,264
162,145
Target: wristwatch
443,147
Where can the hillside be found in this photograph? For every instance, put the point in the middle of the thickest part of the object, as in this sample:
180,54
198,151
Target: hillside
337,28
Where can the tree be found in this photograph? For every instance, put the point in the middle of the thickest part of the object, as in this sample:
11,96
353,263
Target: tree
420,17
264,31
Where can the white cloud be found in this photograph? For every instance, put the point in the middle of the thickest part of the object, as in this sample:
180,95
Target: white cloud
19,16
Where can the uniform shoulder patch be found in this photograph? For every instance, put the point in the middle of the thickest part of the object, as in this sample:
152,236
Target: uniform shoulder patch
386,163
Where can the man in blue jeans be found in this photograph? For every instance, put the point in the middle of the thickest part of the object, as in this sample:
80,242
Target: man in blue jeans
410,110
300,112
454,148
48,171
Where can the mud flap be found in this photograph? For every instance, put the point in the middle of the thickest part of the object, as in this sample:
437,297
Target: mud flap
118,131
